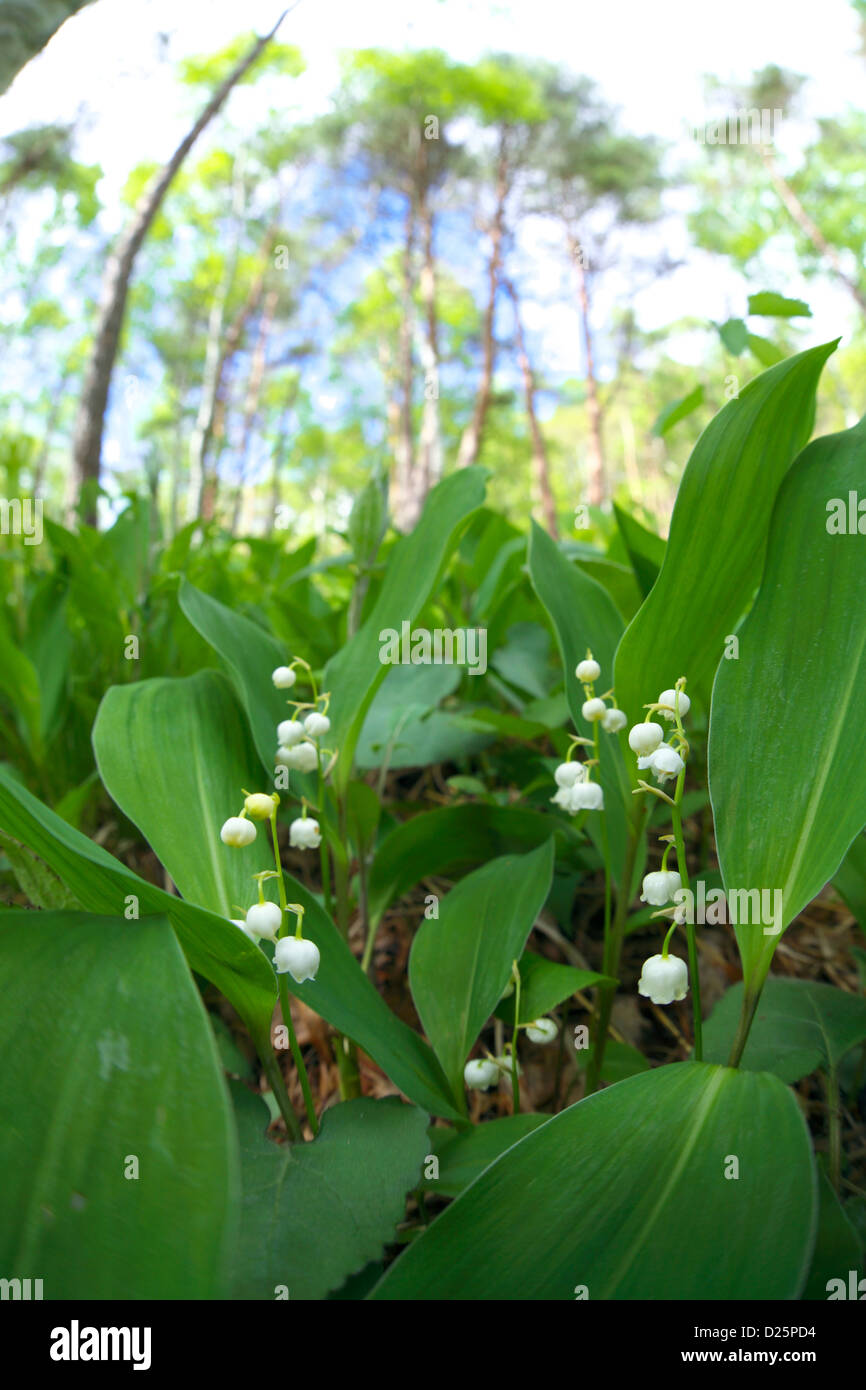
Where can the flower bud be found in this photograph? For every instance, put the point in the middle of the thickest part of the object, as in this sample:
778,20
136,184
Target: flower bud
297,957
613,721
587,671
317,724
259,806
664,979
543,1030
645,738
678,699
284,678
238,922
237,832
666,763
265,920
594,709
480,1074
289,732
304,757
659,887
568,773
304,833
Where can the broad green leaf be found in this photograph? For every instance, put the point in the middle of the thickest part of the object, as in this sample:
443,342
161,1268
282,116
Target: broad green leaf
625,1193
20,684
213,947
849,879
621,1060
454,839
344,995
463,1155
544,984
646,550
367,522
798,1026
134,1076
313,1214
461,961
718,534
678,410
767,353
837,1245
787,776
41,886
772,305
355,673
734,335
251,655
583,616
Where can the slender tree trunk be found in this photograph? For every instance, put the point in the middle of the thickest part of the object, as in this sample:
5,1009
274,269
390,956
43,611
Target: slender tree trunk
212,359
809,229
431,433
596,490
253,396
470,443
406,508
280,455
87,446
540,460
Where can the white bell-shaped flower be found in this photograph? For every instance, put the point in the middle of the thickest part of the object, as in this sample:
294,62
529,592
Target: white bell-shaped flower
284,677
304,757
238,922
587,796
505,1062
613,721
678,700
237,832
264,920
587,671
568,773
289,732
645,738
480,1074
316,724
297,957
304,833
259,806
593,709
659,887
542,1030
664,979
666,763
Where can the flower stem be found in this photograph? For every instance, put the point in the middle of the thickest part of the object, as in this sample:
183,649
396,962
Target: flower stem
691,935
834,1128
284,992
515,1084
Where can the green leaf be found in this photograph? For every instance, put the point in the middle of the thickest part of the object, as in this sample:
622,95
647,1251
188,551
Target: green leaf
214,948
718,534
678,410
583,615
620,1061
837,1245
544,984
787,776
767,353
463,1155
628,1197
20,684
734,335
367,523
135,1075
646,550
849,879
771,305
251,655
798,1026
355,673
41,887
313,1214
460,962
454,839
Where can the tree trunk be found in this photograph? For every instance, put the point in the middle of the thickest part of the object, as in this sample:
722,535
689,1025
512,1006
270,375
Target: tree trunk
87,447
596,489
431,433
406,507
809,229
253,396
470,443
540,461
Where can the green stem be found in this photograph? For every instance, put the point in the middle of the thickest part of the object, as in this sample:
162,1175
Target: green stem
323,847
278,1086
283,988
747,1014
515,1084
834,1126
691,935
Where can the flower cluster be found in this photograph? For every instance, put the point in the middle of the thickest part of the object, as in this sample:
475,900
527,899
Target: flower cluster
576,791
664,760
480,1073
